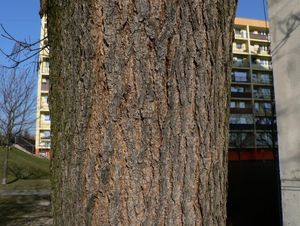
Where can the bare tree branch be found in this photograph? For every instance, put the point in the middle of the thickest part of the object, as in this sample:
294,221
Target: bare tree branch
22,51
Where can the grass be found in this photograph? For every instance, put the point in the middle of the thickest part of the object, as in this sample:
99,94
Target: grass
25,172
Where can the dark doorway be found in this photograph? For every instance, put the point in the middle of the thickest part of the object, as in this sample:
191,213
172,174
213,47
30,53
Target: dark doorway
253,196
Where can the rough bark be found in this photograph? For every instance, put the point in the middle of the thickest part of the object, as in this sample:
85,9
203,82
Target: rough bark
138,102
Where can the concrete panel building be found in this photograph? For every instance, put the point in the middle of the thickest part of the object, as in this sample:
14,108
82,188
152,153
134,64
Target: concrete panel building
252,116
43,139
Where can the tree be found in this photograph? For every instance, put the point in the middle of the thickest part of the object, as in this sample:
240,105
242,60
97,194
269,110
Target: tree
139,94
17,105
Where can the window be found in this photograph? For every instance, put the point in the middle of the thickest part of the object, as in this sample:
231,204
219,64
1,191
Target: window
240,76
241,139
263,121
264,62
237,60
237,89
239,45
242,104
265,78
264,48
237,31
256,106
46,117
263,139
254,77
267,106
232,104
45,99
266,92
45,65
240,119
45,134
244,33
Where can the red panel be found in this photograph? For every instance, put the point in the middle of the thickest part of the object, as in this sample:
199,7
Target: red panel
258,154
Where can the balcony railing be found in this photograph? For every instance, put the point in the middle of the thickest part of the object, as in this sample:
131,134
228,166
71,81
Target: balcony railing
259,36
236,50
261,67
44,106
262,112
262,52
240,64
265,127
241,95
262,81
241,126
262,96
45,70
241,110
45,86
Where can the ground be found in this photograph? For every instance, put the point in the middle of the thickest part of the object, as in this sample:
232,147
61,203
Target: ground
25,200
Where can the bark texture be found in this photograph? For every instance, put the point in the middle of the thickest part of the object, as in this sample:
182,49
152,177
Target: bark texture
138,102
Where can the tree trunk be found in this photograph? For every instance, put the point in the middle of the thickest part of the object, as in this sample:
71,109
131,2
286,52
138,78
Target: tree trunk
138,101
5,165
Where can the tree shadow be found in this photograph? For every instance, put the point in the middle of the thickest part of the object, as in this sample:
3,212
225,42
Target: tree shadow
286,26
21,210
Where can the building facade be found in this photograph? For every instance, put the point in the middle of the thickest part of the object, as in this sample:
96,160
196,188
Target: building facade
252,112
43,139
253,170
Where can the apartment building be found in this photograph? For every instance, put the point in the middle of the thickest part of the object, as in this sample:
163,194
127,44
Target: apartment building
253,170
252,114
43,139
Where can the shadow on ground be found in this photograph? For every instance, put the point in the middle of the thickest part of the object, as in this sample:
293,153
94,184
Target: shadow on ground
31,210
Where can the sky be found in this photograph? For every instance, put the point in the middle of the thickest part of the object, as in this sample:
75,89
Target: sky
21,19
252,9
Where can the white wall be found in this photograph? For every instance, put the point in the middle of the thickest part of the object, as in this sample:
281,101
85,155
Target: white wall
285,43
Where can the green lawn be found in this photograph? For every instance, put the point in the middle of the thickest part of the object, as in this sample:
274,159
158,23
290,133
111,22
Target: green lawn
25,172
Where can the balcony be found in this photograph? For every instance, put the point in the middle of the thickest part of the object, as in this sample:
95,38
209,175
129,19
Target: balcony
241,127
266,127
237,50
259,36
240,64
262,81
45,144
261,52
241,95
262,96
241,110
240,35
241,140
44,107
263,112
256,66
45,87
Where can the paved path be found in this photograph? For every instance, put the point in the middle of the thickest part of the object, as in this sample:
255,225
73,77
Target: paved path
25,192
25,208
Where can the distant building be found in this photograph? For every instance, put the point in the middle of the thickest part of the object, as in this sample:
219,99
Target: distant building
252,115
43,139
253,170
